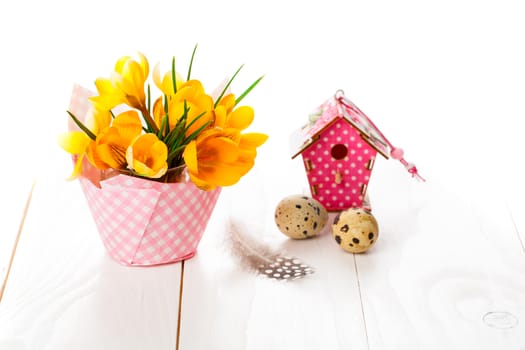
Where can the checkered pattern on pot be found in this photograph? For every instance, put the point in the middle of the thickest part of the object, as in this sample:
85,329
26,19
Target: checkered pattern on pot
143,222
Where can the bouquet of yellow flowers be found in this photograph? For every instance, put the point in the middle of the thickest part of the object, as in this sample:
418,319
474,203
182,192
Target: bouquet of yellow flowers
185,126
152,173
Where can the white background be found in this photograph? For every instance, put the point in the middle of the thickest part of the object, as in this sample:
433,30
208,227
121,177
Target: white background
440,78
445,80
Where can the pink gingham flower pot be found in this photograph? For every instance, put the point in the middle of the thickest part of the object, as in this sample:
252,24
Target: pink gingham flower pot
143,222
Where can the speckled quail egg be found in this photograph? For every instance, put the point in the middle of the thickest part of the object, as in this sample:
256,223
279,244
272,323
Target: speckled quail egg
299,216
355,230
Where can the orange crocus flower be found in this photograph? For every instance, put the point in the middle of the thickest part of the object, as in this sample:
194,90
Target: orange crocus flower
147,156
198,103
221,157
109,149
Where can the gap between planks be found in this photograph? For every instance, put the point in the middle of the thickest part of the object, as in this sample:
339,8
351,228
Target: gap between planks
515,227
360,301
179,317
17,239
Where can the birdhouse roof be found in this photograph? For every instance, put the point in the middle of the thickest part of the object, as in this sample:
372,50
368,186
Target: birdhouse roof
338,107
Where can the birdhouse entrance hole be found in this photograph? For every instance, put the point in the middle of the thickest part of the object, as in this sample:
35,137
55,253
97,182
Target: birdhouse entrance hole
339,151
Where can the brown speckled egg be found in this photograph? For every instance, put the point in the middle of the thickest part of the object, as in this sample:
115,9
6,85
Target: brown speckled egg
355,230
299,216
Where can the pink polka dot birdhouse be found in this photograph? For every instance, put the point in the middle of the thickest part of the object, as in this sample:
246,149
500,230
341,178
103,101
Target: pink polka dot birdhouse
339,145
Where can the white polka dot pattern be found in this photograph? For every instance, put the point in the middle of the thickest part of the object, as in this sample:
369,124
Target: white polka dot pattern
339,183
143,222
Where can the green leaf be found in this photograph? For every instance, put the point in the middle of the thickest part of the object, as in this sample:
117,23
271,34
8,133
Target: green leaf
196,133
165,104
173,75
167,129
247,91
150,123
185,140
164,125
175,153
227,86
180,148
194,120
173,138
82,126
177,141
191,62
176,135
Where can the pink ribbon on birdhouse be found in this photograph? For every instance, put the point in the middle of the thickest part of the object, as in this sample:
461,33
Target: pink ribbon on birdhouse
395,152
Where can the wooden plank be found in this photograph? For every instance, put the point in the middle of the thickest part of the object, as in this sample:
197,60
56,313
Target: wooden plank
64,292
447,272
226,307
515,199
517,209
15,198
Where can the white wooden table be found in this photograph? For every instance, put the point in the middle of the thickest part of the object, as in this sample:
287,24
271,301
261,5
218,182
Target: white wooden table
442,79
448,272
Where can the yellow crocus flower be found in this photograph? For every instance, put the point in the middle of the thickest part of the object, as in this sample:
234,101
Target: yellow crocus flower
98,118
165,84
109,149
133,76
228,117
221,157
126,84
223,109
158,111
78,142
191,94
248,149
109,94
240,118
207,165
75,143
147,156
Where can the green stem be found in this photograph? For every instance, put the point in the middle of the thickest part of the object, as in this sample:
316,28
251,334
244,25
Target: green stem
82,126
191,63
247,91
174,75
149,121
227,86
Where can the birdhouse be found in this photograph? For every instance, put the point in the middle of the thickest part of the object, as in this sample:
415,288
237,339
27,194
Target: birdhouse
339,146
